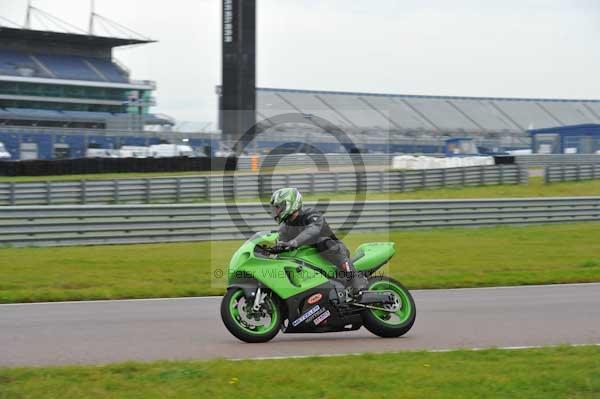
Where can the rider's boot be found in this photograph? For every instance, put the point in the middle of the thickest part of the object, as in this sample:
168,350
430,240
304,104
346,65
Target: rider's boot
356,281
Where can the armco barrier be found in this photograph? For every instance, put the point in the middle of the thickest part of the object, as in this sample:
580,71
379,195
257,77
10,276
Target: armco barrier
560,173
556,159
119,224
211,188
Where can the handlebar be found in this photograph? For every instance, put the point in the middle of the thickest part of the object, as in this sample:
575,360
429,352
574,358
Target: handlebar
276,250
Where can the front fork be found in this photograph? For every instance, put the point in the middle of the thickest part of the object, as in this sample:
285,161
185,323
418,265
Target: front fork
259,299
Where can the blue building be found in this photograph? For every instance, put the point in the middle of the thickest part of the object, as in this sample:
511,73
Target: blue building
575,139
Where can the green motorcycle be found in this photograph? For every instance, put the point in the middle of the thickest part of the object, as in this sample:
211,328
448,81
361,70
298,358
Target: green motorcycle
271,289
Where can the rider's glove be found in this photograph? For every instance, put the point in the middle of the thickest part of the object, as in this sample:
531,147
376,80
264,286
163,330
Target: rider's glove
289,245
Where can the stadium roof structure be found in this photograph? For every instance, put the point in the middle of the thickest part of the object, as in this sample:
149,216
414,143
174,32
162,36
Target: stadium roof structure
50,37
425,113
352,93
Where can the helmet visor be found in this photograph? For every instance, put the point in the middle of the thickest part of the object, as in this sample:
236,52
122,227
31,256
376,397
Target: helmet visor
277,210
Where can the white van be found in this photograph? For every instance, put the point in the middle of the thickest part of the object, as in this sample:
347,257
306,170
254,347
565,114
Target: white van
3,153
170,150
132,151
101,153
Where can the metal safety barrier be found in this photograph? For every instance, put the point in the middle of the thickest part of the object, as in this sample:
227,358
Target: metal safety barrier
224,187
120,224
556,159
560,173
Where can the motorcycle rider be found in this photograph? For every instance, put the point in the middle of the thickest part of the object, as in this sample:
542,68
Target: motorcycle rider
300,226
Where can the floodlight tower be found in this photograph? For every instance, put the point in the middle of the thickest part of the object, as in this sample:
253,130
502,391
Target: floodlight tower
92,17
237,97
28,15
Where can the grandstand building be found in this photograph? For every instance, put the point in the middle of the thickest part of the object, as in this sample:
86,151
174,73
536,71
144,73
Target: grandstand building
62,93
415,123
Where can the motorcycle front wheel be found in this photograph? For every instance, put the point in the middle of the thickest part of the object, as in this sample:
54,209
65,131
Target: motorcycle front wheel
247,324
396,320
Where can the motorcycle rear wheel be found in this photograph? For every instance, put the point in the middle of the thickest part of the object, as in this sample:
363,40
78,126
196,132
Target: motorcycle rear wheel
390,324
246,325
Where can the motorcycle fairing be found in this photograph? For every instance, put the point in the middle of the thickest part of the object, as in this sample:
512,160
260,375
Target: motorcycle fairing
323,315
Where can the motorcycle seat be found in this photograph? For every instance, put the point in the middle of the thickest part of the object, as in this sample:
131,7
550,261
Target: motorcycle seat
357,255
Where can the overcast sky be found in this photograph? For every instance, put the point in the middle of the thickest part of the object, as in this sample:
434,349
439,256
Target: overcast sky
509,48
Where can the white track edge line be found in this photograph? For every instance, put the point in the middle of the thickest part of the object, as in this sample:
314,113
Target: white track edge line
505,348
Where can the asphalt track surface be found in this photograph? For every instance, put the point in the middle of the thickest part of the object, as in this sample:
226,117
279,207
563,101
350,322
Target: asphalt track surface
191,328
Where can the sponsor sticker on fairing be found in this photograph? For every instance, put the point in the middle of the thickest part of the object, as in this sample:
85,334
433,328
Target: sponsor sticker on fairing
315,315
306,315
322,318
315,298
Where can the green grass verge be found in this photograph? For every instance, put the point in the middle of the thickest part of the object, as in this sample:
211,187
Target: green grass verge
548,373
437,258
132,175
535,188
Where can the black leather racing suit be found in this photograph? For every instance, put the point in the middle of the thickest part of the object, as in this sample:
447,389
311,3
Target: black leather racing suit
311,228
